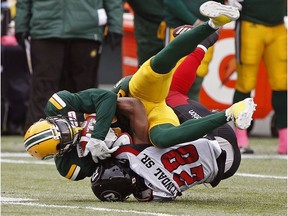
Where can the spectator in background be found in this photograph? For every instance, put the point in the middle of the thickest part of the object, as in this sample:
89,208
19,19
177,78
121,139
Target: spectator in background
183,12
148,17
260,36
65,44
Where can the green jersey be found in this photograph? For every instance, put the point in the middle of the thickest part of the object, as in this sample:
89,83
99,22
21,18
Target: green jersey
121,88
72,164
74,167
75,105
151,10
265,12
181,12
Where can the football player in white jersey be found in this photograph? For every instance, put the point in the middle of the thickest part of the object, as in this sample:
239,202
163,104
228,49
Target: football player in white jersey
154,174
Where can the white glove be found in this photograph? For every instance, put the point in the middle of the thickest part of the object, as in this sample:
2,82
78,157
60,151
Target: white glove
123,139
110,138
236,3
98,149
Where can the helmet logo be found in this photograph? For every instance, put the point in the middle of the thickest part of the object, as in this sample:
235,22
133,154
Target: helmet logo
111,195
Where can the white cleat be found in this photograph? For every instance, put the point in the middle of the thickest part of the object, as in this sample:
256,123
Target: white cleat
241,113
218,13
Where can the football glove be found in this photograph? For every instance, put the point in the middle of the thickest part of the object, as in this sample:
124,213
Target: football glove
98,149
123,139
114,39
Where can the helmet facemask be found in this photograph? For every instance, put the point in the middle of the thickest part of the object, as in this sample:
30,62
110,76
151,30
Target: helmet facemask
50,137
65,132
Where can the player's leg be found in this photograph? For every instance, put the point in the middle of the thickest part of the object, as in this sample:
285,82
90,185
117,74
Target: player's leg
249,49
202,71
46,56
275,58
152,81
185,73
165,135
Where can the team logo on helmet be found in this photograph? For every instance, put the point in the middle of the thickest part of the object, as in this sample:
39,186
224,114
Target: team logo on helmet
111,195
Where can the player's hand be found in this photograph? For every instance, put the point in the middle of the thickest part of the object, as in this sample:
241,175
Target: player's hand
114,39
21,37
123,139
236,3
98,149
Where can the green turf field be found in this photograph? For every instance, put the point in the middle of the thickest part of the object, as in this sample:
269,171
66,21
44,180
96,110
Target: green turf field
32,187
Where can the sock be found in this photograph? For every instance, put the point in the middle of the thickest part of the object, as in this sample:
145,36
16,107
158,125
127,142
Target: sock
239,96
242,137
282,141
210,40
279,103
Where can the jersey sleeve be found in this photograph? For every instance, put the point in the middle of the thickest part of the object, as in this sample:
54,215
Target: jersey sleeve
121,88
56,105
99,101
73,167
103,103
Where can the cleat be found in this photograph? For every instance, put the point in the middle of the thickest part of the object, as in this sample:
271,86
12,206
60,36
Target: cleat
219,14
241,113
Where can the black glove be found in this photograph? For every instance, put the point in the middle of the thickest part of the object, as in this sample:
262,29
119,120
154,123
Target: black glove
211,40
21,37
114,39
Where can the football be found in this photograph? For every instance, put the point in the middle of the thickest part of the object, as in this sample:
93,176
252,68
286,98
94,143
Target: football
181,29
87,129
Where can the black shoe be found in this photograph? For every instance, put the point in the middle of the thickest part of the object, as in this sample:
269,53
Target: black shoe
246,150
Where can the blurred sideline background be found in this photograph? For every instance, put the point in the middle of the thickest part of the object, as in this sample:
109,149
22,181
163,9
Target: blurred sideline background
216,92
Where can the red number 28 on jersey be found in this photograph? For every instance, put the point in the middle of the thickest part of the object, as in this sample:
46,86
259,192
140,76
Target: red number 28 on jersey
183,156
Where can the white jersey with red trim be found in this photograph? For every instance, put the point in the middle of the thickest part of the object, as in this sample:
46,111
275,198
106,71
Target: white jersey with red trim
172,170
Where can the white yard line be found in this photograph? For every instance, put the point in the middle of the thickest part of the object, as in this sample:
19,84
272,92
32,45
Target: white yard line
26,162
9,201
252,156
51,162
13,155
30,202
260,176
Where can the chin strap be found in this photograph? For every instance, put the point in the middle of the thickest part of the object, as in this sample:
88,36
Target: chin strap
77,133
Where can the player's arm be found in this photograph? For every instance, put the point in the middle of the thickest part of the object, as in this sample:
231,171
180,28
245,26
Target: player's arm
134,110
105,109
